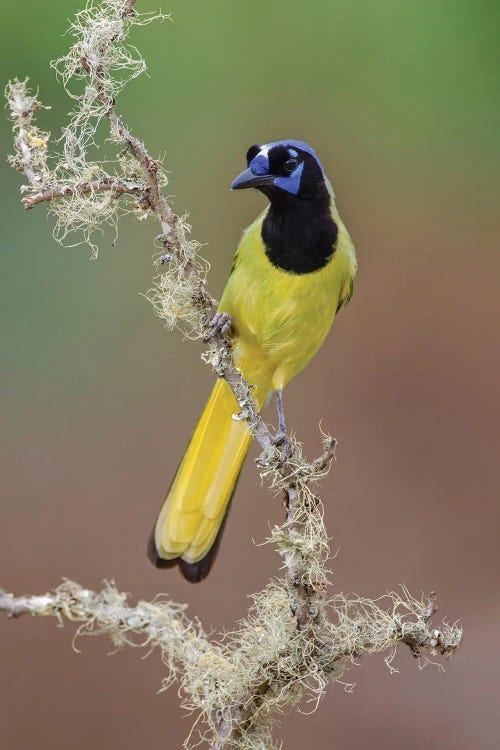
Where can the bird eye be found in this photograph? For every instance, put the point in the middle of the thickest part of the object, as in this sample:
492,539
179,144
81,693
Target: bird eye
291,164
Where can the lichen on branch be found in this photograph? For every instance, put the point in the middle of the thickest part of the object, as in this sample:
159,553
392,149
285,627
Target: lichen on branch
264,666
90,188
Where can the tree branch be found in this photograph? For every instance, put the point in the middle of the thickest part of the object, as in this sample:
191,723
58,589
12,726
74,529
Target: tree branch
184,646
83,188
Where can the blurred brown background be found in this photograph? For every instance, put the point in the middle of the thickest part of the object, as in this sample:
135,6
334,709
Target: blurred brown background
98,401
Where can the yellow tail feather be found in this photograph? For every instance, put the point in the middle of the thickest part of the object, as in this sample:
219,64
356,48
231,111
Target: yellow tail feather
193,513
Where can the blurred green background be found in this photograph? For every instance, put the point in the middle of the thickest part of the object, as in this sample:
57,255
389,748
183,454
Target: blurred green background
400,99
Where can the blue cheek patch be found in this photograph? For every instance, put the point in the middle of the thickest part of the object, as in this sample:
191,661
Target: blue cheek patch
260,164
292,183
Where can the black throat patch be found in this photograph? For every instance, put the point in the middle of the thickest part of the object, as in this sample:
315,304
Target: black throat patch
300,234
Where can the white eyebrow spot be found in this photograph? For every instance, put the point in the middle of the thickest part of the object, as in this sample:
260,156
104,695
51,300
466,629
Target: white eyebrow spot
264,150
292,152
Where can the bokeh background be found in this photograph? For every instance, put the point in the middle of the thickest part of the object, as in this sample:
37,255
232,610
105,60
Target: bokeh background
98,400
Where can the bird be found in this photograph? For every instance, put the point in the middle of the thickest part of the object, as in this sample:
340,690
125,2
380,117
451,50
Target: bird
293,270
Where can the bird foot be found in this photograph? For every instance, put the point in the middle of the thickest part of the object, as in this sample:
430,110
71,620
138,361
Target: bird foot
286,443
262,459
220,323
281,438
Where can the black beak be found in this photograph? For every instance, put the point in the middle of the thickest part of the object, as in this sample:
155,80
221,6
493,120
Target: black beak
248,179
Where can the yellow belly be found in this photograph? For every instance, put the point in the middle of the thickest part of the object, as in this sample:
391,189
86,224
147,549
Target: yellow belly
281,319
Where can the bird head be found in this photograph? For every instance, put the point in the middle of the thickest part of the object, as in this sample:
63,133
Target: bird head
283,169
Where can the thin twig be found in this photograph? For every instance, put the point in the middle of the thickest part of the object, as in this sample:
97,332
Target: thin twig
105,184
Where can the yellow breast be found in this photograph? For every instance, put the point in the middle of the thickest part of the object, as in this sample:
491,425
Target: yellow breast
281,319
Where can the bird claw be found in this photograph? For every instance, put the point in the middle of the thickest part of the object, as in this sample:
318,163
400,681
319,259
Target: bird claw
279,439
220,323
262,459
286,443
